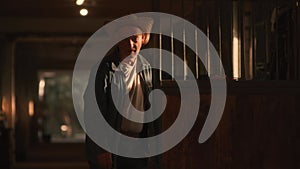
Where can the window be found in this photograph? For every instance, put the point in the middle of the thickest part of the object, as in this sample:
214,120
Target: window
58,119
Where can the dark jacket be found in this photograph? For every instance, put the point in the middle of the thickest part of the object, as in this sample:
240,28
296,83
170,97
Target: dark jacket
103,82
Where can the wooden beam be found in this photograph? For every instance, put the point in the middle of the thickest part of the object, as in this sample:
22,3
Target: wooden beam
11,25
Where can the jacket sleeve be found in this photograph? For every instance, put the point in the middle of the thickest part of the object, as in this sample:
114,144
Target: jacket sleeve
101,84
103,94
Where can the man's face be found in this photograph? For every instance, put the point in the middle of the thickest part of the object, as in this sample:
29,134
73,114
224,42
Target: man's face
131,46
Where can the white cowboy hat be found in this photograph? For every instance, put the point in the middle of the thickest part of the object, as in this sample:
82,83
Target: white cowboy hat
131,24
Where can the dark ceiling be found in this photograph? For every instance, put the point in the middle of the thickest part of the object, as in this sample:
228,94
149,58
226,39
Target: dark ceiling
97,8
68,8
62,16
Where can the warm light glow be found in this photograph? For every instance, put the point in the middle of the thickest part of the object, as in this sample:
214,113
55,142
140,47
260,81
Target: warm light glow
64,128
235,58
251,62
84,12
49,74
41,89
236,50
31,108
4,104
13,109
79,2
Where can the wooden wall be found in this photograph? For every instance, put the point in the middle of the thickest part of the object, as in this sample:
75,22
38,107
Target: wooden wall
259,129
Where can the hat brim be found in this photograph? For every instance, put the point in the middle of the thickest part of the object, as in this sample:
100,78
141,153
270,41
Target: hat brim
143,23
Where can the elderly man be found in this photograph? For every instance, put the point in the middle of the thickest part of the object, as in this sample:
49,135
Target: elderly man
119,71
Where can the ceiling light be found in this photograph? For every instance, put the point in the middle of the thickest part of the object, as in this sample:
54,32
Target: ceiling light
79,2
64,128
84,12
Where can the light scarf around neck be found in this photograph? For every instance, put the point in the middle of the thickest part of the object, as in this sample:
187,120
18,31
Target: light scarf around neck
127,70
128,67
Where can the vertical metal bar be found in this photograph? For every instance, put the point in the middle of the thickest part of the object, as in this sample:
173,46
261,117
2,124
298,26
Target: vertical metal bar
208,51
185,62
240,37
196,54
172,44
251,50
172,50
160,56
297,62
295,42
276,46
220,38
236,61
277,41
196,41
185,66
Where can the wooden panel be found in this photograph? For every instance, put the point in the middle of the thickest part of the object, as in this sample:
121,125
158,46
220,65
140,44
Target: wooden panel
214,153
257,130
264,131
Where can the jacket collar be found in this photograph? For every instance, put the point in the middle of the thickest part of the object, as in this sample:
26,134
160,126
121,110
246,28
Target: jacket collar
115,60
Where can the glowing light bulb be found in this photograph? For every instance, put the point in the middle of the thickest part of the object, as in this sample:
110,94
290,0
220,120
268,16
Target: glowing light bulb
84,12
64,128
79,2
